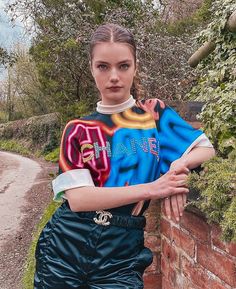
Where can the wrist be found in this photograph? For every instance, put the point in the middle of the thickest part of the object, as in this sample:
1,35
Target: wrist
181,162
146,190
185,160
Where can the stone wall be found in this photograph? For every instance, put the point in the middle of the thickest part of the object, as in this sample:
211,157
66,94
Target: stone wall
36,132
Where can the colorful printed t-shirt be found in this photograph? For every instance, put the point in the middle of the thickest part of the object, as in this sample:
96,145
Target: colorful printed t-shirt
132,146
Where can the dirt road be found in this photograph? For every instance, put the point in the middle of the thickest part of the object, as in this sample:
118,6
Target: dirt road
17,175
24,193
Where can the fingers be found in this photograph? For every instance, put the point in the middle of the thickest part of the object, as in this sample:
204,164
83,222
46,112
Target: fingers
181,169
180,180
180,190
175,207
177,177
175,204
167,207
168,185
181,177
180,204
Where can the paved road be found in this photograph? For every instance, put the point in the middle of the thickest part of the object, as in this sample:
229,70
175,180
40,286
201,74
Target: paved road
17,176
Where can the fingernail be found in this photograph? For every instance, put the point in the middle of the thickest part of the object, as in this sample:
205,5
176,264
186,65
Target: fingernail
169,217
177,219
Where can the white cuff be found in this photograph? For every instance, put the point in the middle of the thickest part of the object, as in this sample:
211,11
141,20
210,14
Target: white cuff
69,180
201,141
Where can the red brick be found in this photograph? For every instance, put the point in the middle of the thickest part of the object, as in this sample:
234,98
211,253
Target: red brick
170,253
165,265
198,276
166,228
196,226
174,281
172,276
183,241
153,222
184,283
191,270
155,266
153,242
215,285
152,281
169,272
194,272
163,211
230,248
154,207
191,286
166,284
217,263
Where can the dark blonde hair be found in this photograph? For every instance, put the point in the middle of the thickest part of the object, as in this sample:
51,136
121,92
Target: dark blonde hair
115,33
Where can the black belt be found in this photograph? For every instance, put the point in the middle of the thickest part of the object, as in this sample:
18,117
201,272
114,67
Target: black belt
106,218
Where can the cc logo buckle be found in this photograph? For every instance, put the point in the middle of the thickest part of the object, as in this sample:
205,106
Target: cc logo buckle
102,217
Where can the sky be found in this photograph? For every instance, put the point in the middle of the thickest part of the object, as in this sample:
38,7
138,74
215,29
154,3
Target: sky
9,33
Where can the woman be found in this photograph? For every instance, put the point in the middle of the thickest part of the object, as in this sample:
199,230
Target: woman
109,170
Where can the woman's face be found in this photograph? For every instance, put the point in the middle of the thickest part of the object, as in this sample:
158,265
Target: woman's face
113,69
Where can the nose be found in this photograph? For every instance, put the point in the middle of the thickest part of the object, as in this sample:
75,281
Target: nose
114,76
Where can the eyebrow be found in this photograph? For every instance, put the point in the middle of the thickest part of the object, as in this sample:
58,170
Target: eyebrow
123,61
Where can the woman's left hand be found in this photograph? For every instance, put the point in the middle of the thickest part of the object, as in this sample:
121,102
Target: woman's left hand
175,204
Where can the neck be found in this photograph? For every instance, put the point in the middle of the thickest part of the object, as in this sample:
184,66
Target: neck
115,108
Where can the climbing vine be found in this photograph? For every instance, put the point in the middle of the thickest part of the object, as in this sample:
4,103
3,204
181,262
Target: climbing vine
217,88
217,81
217,185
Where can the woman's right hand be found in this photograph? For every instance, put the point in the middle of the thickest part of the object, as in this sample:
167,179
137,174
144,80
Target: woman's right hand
172,183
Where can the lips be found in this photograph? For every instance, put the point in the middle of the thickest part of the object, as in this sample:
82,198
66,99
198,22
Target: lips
114,87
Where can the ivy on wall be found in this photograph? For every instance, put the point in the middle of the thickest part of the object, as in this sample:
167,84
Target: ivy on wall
217,81
217,87
217,185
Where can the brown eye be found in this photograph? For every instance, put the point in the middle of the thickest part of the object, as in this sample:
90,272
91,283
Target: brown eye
102,67
124,66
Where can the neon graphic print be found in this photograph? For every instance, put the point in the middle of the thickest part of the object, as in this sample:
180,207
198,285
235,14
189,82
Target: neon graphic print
126,148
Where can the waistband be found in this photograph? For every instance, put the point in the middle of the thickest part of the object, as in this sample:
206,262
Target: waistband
106,218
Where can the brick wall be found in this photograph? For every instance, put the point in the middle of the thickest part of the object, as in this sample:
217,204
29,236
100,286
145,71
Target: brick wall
153,276
188,254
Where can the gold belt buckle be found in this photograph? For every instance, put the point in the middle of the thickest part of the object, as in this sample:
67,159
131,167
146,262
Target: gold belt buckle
101,218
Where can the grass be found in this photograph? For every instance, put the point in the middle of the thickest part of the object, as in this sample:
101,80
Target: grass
52,156
11,145
14,146
28,276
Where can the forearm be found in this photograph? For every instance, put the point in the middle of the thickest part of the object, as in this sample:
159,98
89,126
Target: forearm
197,156
99,198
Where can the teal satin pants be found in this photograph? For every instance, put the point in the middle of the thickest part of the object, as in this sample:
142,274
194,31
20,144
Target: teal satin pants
75,252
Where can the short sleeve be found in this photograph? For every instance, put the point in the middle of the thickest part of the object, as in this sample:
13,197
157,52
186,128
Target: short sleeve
176,136
71,172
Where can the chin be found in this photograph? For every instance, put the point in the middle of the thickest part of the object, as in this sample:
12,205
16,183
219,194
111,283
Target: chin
114,97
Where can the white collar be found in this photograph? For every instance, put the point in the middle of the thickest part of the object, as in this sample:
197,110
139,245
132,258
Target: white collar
115,108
